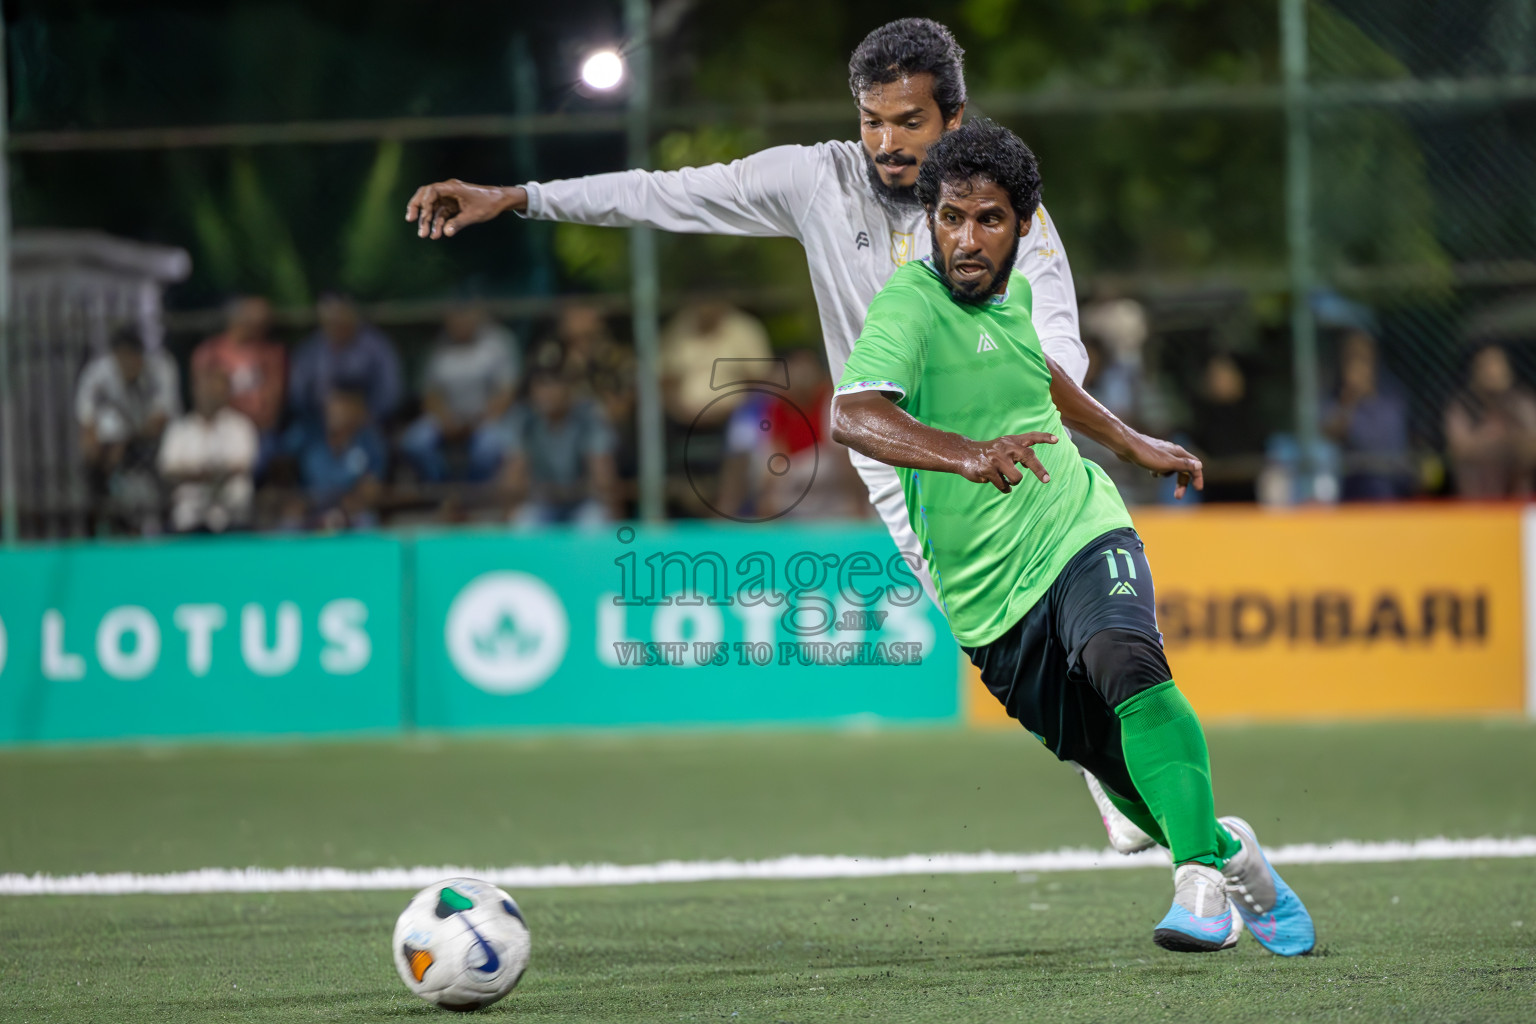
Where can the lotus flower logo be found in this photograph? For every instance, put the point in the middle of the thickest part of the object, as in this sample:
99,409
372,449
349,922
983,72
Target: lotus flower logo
506,632
505,639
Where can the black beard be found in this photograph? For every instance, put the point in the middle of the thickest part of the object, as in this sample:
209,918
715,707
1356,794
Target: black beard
897,197
966,295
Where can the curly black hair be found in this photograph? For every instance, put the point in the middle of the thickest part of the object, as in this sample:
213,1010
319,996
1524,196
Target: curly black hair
911,46
982,150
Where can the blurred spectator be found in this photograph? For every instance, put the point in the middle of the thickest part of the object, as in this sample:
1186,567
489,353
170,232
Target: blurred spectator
587,343
343,353
701,349
693,339
583,346
208,456
780,457
1227,431
1368,419
1490,431
562,466
1119,327
467,389
1121,393
615,394
123,401
341,466
595,365
251,362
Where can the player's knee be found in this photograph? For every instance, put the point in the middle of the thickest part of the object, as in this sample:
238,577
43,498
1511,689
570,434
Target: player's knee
1122,663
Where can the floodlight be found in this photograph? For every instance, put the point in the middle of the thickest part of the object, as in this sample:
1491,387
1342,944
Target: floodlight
603,70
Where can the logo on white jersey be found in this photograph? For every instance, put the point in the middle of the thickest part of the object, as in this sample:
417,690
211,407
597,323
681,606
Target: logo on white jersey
985,343
861,240
901,247
1046,248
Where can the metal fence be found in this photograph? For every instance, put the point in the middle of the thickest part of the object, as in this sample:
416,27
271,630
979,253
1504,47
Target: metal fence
1413,157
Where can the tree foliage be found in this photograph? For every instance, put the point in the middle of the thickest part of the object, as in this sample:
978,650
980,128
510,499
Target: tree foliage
1175,191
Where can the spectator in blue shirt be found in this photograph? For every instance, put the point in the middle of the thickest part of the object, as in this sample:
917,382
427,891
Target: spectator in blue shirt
563,465
348,353
467,389
1368,418
342,466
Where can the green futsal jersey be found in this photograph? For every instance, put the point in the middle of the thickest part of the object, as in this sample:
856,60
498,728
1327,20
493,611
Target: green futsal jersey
978,370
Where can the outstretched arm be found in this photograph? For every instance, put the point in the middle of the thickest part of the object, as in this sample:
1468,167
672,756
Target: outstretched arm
764,194
871,424
1081,412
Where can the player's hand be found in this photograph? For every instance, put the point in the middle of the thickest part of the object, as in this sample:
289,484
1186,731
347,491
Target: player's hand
1164,458
995,462
446,207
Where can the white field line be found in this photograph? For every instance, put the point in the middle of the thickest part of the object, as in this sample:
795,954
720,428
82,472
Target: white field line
549,876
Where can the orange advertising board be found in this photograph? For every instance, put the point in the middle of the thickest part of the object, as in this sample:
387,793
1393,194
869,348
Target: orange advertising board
1334,613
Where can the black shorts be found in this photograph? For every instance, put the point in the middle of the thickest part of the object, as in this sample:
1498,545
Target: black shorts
1036,668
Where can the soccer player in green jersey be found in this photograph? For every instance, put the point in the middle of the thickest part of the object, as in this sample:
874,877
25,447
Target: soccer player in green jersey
1044,581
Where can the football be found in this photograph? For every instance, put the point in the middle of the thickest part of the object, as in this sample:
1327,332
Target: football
461,943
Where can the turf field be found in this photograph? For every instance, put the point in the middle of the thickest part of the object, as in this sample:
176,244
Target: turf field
1440,941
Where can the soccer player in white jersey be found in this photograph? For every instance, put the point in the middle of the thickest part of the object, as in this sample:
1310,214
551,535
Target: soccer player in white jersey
852,205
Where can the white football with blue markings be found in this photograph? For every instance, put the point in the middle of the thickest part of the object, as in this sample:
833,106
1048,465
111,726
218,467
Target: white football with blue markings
462,944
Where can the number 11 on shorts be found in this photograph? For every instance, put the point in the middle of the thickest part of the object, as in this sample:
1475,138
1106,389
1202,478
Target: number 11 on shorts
1130,566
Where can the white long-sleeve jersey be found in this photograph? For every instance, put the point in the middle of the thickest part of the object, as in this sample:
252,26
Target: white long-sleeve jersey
853,242
819,195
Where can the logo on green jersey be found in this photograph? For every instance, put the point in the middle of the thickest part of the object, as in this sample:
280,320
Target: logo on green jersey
985,343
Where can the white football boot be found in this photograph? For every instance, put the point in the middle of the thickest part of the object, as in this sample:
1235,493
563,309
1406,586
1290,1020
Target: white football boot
1124,835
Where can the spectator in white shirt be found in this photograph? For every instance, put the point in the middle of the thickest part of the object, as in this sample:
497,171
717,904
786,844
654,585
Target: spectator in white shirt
693,340
207,457
124,399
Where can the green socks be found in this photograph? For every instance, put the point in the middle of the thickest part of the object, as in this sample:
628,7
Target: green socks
1166,755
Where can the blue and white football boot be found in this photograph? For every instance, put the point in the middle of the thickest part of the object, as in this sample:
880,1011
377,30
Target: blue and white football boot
1201,918
1272,912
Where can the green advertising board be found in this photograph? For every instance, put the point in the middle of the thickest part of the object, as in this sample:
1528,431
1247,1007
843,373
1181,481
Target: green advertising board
686,625
678,626
200,637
